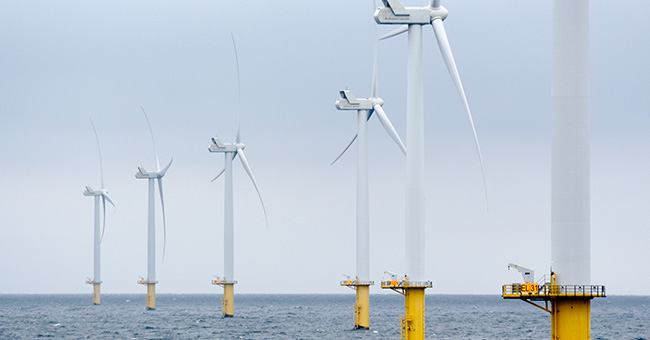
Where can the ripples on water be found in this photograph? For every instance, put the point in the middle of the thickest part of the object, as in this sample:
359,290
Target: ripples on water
299,317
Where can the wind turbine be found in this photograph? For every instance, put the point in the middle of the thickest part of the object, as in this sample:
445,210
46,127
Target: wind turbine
230,151
394,13
152,176
365,107
103,195
570,290
570,169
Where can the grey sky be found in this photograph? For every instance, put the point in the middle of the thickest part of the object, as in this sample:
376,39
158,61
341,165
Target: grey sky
64,62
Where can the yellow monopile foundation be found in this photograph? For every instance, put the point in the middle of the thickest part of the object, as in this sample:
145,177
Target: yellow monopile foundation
96,294
412,322
362,308
571,319
413,319
228,301
151,296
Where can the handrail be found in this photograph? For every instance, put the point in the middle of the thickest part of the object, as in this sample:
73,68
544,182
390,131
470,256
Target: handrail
404,284
356,283
542,280
557,290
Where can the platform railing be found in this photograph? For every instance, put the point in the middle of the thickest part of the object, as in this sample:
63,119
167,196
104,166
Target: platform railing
404,284
556,290
356,283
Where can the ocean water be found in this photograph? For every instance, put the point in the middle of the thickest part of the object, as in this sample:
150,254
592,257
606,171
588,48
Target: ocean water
299,317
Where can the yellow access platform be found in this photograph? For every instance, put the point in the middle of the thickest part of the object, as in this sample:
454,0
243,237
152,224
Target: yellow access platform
412,321
570,305
228,299
362,303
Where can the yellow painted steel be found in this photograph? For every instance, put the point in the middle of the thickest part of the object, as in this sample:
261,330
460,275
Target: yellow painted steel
151,295
547,292
228,300
570,306
571,319
413,319
412,322
96,294
362,308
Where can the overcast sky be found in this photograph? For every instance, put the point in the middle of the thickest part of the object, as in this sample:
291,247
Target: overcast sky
64,62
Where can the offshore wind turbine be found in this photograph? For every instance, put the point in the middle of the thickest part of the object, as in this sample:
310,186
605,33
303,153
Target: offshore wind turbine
413,19
101,194
570,171
230,151
152,177
570,290
365,107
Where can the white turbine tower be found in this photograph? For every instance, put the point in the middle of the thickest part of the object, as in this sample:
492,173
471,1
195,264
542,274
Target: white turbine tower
415,18
365,108
570,171
152,176
230,151
98,237
569,290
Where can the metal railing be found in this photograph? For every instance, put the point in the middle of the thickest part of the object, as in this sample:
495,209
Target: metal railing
223,282
556,290
356,283
405,284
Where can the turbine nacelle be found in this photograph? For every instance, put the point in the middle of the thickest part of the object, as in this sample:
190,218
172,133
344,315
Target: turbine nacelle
144,174
349,102
396,14
90,192
218,146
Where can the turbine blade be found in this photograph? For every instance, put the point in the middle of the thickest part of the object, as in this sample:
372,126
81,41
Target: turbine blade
218,175
373,86
435,4
445,50
105,195
99,150
238,139
244,162
346,148
224,169
398,31
162,204
163,171
152,139
383,118
104,218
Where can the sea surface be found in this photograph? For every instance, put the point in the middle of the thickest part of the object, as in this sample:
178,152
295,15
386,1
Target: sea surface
299,317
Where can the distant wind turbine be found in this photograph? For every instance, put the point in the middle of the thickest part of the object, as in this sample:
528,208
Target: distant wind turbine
414,18
231,150
103,194
152,176
365,107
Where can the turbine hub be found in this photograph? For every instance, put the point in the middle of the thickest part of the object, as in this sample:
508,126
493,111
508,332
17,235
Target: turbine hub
438,13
